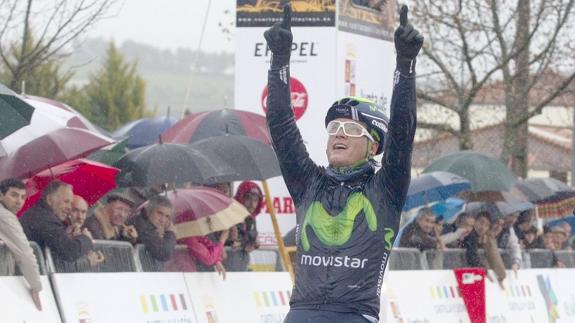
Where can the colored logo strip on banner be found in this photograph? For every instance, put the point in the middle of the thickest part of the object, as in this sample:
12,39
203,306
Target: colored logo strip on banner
157,303
516,291
444,292
272,298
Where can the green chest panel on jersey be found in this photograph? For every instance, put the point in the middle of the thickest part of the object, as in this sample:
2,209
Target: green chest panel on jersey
337,230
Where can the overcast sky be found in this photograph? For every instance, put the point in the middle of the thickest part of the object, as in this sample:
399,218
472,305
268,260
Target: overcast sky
169,24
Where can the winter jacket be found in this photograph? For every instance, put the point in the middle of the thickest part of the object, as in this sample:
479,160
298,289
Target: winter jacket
414,237
345,225
160,247
12,234
41,225
472,243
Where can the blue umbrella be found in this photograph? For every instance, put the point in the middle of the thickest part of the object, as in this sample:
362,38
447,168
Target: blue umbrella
143,132
434,186
449,208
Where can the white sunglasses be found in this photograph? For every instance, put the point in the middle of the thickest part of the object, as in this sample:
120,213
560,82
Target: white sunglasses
350,129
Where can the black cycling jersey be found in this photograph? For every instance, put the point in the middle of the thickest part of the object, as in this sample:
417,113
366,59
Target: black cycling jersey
346,224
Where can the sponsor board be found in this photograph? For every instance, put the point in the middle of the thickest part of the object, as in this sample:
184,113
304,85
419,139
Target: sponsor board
124,297
16,303
262,13
241,298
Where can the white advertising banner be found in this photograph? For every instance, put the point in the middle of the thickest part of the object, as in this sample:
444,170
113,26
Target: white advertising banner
124,297
421,296
241,298
16,304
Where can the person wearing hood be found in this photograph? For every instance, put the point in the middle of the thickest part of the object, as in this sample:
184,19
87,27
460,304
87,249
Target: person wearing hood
243,237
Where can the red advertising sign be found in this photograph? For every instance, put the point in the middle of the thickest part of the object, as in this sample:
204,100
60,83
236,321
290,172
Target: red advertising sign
471,282
299,98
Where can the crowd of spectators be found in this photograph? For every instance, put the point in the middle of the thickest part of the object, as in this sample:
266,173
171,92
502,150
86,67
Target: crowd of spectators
482,230
66,224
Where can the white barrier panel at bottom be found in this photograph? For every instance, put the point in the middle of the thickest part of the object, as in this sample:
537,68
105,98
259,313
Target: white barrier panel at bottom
16,304
241,298
421,296
124,297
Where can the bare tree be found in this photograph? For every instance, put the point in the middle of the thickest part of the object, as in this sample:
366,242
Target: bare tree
473,44
35,32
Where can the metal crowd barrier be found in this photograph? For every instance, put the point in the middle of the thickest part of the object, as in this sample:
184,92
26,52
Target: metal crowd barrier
118,257
8,265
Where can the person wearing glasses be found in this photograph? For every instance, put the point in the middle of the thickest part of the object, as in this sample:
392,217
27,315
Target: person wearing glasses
347,213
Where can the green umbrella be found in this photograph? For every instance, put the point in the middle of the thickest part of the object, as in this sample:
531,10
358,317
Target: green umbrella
14,111
110,155
484,173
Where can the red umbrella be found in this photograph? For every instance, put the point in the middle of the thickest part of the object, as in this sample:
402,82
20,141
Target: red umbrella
200,211
218,123
91,180
50,150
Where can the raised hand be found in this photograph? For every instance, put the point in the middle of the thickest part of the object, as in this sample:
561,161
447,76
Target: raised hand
408,41
279,36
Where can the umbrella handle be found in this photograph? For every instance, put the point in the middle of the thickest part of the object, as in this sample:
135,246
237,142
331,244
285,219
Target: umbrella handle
282,249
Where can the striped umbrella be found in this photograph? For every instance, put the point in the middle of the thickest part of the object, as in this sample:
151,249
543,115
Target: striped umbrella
218,123
200,211
434,186
540,190
15,112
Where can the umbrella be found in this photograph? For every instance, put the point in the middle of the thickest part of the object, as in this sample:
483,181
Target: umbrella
171,163
540,190
76,121
484,173
218,123
50,150
46,118
251,159
15,112
200,211
91,180
143,132
111,154
434,186
448,209
498,209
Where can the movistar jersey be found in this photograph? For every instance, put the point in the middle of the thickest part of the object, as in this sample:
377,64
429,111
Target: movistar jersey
347,224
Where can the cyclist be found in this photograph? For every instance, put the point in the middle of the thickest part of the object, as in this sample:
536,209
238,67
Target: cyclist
347,213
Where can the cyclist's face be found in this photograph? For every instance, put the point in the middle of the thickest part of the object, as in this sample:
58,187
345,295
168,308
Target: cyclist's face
343,150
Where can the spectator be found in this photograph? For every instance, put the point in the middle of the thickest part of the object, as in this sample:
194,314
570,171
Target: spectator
12,197
507,239
530,239
483,237
558,237
45,223
156,229
243,238
453,234
76,222
523,223
419,233
108,222
224,188
202,251
79,211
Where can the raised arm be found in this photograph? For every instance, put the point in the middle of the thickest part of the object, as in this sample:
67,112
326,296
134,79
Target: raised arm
394,174
296,165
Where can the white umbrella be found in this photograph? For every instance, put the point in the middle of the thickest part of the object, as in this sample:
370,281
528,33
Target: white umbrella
46,118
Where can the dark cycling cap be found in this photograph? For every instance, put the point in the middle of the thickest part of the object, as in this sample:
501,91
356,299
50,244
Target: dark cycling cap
364,110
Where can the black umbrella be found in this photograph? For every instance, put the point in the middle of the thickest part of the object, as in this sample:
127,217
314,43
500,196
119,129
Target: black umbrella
251,159
171,163
15,112
539,190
